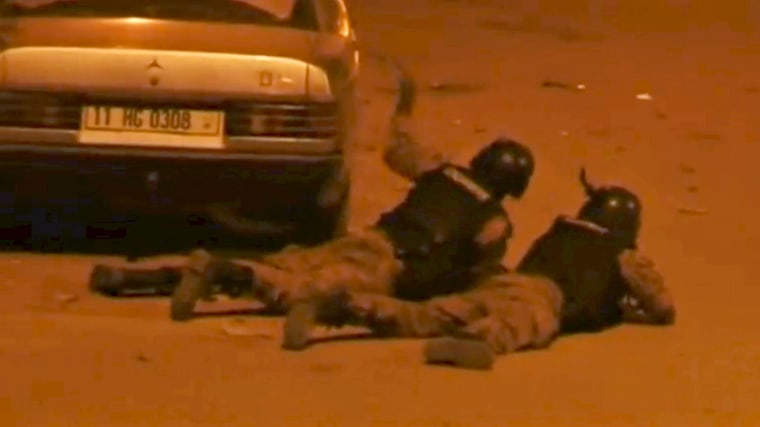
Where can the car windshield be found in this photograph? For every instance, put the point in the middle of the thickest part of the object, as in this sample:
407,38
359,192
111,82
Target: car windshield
291,13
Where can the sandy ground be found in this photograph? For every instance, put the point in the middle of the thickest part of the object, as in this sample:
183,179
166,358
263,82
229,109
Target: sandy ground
688,151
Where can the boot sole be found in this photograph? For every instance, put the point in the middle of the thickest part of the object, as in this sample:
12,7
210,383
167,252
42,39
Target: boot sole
191,288
189,291
101,281
298,325
462,353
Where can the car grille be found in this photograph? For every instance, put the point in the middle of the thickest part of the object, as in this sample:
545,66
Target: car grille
262,119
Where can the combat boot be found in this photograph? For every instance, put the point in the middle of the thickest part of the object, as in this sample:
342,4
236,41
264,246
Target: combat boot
459,350
301,319
117,282
304,315
204,276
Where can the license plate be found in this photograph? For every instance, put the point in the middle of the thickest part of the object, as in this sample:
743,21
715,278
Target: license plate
155,127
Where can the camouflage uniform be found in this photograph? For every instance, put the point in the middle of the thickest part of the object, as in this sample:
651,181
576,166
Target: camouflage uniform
584,274
508,311
363,261
576,277
366,261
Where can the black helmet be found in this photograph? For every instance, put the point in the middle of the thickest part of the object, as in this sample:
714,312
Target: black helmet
504,167
614,208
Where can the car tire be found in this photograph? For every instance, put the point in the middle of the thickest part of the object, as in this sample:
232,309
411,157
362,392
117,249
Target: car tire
329,223
339,225
14,229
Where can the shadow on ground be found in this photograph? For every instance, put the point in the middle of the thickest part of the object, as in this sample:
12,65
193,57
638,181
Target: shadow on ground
137,237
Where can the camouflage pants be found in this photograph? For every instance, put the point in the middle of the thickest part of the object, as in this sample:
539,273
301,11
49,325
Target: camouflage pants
508,311
362,262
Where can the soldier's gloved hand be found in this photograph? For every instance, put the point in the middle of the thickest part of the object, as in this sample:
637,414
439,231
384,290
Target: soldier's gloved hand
235,286
629,306
333,308
303,315
647,286
633,312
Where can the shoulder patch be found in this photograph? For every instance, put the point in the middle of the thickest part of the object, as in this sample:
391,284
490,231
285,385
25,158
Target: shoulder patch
467,183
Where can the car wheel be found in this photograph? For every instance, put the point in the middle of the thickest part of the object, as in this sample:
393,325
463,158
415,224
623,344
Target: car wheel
329,223
340,220
13,230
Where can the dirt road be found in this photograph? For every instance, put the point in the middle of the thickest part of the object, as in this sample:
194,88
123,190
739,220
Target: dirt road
687,144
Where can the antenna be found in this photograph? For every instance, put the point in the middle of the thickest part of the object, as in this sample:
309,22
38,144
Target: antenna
588,188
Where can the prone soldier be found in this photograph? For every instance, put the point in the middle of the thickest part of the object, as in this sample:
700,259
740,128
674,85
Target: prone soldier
450,226
585,274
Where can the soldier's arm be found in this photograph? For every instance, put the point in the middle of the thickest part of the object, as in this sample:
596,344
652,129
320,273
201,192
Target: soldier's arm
649,300
405,156
492,242
403,153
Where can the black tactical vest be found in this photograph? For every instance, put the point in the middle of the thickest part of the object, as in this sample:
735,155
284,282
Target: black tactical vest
582,258
434,231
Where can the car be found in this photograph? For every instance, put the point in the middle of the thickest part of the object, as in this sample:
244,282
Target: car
236,111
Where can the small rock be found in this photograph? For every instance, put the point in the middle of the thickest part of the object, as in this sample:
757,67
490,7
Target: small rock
241,328
65,299
564,133
693,211
237,327
454,88
688,169
457,122
478,129
644,97
562,85
141,357
705,136
692,189
661,115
